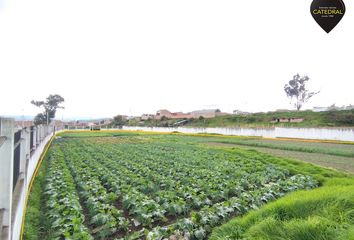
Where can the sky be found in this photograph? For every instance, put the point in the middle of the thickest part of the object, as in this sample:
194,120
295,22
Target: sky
112,57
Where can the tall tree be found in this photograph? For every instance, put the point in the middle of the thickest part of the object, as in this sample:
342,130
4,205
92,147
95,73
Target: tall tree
296,90
50,106
118,121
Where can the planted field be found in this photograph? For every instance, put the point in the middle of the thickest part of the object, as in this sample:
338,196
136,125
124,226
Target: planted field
335,149
146,186
339,156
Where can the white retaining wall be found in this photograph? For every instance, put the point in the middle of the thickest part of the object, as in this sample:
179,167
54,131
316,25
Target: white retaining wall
341,134
32,164
14,201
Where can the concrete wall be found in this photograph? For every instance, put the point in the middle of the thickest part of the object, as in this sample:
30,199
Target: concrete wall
13,200
31,167
6,174
341,134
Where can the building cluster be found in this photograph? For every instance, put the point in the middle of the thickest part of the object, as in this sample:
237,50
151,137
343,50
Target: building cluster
205,113
80,124
89,123
166,114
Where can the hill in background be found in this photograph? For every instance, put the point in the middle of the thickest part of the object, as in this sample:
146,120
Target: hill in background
343,118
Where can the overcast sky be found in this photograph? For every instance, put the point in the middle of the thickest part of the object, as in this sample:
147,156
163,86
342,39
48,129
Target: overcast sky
130,57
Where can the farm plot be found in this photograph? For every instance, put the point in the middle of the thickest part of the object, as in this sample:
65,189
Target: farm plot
153,187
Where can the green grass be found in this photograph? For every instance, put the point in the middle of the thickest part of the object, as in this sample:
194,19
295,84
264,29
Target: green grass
326,213
345,150
311,119
296,167
35,219
345,164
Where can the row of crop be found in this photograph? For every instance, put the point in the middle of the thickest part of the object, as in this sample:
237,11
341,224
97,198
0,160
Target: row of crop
188,162
152,162
200,223
86,170
218,187
169,198
104,216
141,177
144,182
63,208
173,199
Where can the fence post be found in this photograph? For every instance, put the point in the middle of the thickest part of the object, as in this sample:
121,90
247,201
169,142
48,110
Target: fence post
24,151
6,175
27,153
35,137
40,134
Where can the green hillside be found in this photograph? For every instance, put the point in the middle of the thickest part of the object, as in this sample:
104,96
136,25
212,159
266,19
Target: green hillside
343,118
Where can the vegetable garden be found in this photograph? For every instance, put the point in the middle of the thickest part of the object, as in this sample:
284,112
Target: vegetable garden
148,186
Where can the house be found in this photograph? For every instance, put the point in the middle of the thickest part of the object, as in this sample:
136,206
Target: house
163,113
181,115
106,121
171,115
207,113
76,124
91,124
147,116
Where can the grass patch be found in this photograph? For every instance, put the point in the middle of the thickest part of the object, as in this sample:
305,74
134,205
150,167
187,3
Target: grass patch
35,219
344,150
319,214
322,175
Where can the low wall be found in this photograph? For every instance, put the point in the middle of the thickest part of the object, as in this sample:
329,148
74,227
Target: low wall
32,165
340,134
20,152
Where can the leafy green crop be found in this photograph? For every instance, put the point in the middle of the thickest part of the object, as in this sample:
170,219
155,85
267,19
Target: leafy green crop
64,209
151,187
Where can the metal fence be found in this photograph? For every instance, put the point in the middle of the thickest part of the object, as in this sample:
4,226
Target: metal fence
20,151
